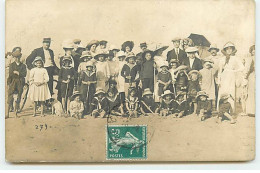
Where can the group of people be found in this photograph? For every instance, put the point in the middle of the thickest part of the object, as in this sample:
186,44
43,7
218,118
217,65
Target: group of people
99,81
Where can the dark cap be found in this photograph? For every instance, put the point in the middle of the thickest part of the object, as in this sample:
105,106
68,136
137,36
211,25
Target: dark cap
46,40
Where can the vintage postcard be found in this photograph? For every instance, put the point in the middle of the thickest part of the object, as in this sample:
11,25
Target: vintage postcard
130,81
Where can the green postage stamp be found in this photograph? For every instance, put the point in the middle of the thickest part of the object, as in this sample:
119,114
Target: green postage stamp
126,142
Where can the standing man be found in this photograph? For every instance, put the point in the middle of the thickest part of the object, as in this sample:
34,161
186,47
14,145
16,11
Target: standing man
176,52
191,61
48,58
143,47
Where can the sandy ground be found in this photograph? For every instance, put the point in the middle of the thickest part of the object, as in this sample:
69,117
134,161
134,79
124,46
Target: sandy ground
169,139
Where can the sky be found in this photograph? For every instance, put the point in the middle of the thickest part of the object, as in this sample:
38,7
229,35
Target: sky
153,21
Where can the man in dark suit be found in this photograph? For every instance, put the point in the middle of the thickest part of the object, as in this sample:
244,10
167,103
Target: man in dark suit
48,58
176,52
191,61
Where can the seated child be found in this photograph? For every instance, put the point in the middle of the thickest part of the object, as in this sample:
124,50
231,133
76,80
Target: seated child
132,103
76,106
225,109
148,105
204,107
181,105
114,103
99,104
164,79
193,88
167,104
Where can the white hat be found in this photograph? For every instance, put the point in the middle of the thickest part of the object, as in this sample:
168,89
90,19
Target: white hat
191,49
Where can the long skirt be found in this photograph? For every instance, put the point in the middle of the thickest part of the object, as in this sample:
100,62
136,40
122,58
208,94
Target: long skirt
39,93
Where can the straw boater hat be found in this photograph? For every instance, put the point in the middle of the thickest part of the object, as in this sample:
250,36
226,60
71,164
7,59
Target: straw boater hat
176,39
101,53
103,42
17,54
229,44
147,51
113,47
194,71
67,45
130,55
164,64
147,91
167,92
127,43
67,58
77,41
143,44
91,43
160,48
38,58
121,53
213,46
201,93
207,59
86,54
99,91
75,94
80,46
46,40
191,50
224,96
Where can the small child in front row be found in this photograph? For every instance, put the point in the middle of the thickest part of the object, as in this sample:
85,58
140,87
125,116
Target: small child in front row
99,104
167,104
76,106
225,109
114,103
66,78
164,79
182,106
193,88
132,103
39,90
182,80
204,107
148,105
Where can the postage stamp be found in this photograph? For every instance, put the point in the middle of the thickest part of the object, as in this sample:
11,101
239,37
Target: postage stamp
126,142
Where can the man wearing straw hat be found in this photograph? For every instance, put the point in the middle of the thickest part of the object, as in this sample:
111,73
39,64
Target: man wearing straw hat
176,52
48,58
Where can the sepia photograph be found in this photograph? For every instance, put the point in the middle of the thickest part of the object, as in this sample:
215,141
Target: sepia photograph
119,81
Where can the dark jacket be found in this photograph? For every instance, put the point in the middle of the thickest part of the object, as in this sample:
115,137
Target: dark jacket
39,52
148,105
182,106
127,71
197,65
172,55
206,105
99,104
14,79
147,70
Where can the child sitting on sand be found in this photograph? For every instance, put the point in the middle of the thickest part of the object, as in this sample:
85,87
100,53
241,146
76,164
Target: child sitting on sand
132,103
76,106
181,107
148,105
204,107
225,109
99,104
167,104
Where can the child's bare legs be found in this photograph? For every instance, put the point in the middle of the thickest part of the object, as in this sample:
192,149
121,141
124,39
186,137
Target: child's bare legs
194,108
232,121
68,104
42,107
34,109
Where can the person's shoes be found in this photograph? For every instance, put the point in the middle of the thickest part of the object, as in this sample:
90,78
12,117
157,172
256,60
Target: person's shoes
232,122
203,118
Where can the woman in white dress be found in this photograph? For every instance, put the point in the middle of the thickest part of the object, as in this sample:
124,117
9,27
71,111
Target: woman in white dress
229,67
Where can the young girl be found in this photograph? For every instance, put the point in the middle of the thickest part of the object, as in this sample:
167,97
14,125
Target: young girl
182,80
148,71
182,106
132,103
164,79
66,78
167,104
99,104
225,109
85,57
39,90
193,88
87,82
102,71
148,105
114,103
76,106
204,108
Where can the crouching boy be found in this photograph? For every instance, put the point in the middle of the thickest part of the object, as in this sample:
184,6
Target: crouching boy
204,107
148,105
181,105
167,104
99,104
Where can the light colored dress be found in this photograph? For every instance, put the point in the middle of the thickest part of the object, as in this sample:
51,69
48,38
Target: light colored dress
120,79
250,77
159,60
76,108
228,78
42,92
208,82
103,74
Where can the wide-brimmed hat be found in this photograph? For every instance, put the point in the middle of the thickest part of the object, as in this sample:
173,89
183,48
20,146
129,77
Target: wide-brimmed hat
147,51
103,42
160,48
89,64
99,90
251,48
127,43
201,93
75,94
164,64
229,44
207,59
67,45
167,92
96,42
77,41
224,96
213,46
194,71
113,47
80,46
17,53
147,91
176,39
121,53
67,58
130,55
86,54
46,40
37,58
143,44
101,53
191,50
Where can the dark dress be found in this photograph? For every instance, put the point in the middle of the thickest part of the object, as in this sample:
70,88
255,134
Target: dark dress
193,88
181,82
147,74
164,77
65,89
16,82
